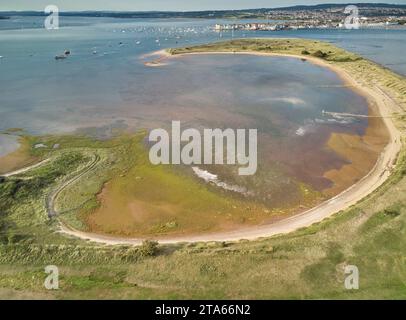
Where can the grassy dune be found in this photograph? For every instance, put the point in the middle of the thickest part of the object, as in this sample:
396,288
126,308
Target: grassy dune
308,263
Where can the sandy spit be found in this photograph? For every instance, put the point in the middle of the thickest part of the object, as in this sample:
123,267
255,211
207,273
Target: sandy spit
349,197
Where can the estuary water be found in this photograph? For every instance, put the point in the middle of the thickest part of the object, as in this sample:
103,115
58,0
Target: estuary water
106,75
104,84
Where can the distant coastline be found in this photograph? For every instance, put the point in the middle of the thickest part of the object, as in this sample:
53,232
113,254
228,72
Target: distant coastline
287,12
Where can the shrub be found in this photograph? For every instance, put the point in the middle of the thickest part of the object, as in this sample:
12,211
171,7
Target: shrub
148,248
320,54
305,52
264,48
392,211
207,269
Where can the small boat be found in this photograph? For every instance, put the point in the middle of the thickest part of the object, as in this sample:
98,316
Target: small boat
94,52
60,57
1,57
67,52
138,42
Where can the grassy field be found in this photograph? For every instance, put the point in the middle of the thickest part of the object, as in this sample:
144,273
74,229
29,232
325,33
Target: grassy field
308,263
302,47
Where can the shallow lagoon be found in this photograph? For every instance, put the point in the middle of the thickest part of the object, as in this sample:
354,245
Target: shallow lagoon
105,85
42,95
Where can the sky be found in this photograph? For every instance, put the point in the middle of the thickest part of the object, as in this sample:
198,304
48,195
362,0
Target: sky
170,5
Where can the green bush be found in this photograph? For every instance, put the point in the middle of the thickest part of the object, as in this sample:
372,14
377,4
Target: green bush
15,190
148,248
393,210
320,54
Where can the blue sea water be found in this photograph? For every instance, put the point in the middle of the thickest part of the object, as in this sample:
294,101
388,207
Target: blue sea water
104,83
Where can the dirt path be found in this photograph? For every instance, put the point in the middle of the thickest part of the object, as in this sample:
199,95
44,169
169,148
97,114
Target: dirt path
23,170
50,202
377,176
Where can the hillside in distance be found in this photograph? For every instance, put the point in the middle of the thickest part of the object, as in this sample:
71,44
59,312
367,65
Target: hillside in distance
367,9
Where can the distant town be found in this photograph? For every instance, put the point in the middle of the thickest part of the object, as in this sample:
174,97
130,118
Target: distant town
325,12
371,15
323,16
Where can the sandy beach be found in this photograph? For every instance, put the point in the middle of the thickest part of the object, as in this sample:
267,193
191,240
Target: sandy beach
385,105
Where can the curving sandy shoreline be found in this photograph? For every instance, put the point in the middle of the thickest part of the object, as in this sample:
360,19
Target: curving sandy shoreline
375,178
